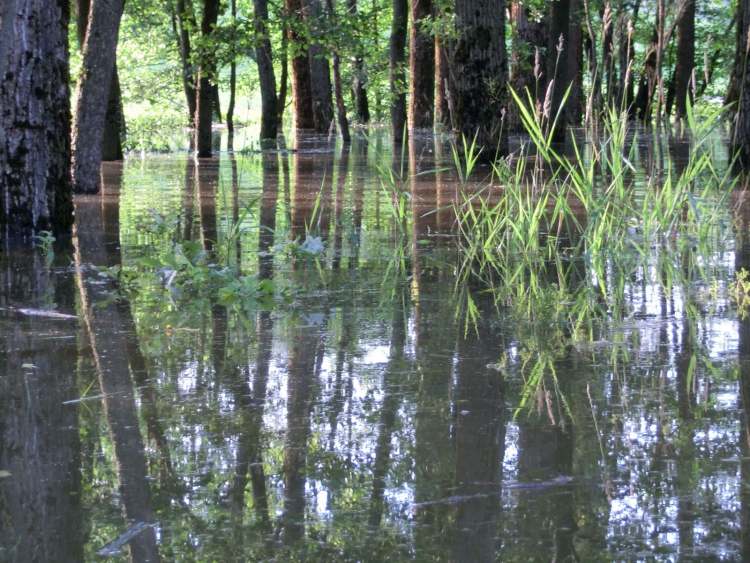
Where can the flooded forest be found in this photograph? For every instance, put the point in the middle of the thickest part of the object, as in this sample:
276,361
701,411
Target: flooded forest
374,280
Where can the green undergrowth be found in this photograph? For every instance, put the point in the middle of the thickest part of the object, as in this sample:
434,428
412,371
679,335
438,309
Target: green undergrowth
559,238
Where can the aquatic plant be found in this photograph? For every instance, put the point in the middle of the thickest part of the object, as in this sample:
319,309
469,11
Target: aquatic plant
556,235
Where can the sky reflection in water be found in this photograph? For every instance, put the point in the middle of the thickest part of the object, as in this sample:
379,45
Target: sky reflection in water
350,416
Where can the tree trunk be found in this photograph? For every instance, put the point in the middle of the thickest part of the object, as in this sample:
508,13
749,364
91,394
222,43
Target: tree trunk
738,69
683,70
559,49
574,64
99,54
281,100
396,70
205,96
302,96
233,76
186,22
741,129
340,107
478,73
647,84
526,72
35,119
320,72
359,83
421,66
269,118
114,121
216,99
442,112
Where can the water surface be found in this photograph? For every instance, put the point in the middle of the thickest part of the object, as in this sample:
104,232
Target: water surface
345,411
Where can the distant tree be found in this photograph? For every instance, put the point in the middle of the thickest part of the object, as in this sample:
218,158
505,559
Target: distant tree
35,187
397,74
205,95
92,97
421,65
183,20
269,118
685,64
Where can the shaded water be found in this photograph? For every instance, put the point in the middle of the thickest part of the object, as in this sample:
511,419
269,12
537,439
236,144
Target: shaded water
342,411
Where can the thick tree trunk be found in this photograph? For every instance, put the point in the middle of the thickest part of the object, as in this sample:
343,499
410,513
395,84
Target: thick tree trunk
738,69
397,74
320,72
478,73
114,120
269,118
683,70
302,95
186,22
35,119
421,66
99,53
205,96
741,129
559,49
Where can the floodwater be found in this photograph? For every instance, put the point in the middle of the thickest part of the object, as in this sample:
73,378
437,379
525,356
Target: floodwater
332,405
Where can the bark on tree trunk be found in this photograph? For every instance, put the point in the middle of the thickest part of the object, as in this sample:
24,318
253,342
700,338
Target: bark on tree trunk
733,91
99,54
421,66
397,75
270,115
559,48
359,83
647,84
442,113
320,72
35,189
683,70
205,96
301,85
741,129
478,73
573,65
114,121
186,22
281,100
233,77
340,107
